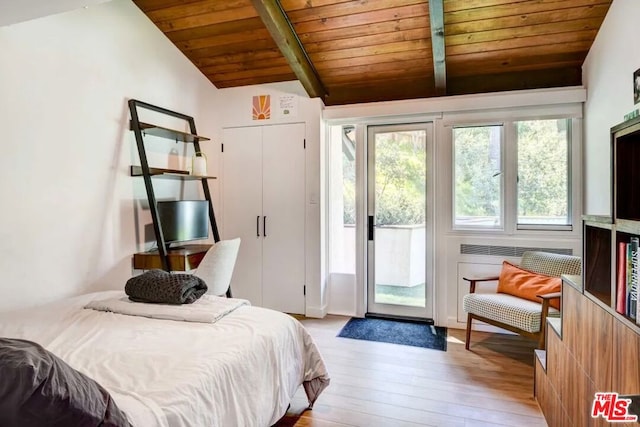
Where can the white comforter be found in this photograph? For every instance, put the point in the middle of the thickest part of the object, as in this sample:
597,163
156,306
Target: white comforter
241,370
207,309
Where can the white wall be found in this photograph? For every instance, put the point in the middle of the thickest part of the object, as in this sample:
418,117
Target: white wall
68,219
236,104
607,74
12,11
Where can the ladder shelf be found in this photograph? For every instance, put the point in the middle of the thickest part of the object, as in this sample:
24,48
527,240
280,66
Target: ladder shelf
143,129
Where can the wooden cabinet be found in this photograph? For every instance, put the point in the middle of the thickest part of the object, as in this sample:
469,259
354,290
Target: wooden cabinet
599,348
625,349
264,204
582,360
604,259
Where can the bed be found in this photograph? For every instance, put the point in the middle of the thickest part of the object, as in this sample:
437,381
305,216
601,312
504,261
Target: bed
242,370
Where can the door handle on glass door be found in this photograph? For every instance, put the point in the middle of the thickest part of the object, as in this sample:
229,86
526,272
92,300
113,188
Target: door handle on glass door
370,226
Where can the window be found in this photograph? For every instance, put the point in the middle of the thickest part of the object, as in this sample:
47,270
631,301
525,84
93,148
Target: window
515,175
342,201
543,173
478,177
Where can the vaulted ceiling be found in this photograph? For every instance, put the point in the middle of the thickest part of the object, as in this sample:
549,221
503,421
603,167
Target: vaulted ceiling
351,51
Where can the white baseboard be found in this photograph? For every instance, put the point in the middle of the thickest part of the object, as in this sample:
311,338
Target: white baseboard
342,313
316,312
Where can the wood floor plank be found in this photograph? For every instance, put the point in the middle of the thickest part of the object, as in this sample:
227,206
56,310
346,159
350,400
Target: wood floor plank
431,403
526,406
381,384
347,414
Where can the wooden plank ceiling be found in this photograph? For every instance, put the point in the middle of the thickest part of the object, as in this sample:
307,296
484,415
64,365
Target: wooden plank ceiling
351,51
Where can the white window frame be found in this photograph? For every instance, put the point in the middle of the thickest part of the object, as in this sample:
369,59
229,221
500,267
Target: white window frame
509,158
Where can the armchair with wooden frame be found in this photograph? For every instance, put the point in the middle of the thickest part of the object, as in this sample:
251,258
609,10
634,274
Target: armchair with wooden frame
515,314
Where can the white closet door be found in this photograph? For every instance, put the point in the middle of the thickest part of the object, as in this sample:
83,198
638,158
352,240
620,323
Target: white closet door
283,204
242,208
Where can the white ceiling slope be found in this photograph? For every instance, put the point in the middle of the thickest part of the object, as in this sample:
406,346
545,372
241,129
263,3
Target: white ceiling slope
14,11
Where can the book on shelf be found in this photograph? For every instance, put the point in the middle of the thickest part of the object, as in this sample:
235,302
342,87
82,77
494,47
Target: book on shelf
621,279
634,244
638,314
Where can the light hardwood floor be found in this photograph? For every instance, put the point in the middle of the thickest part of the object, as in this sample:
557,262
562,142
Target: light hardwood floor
378,384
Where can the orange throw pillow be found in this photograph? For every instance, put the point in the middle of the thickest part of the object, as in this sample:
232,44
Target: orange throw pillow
526,284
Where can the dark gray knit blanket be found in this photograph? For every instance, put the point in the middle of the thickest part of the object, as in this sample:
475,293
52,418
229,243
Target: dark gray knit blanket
159,286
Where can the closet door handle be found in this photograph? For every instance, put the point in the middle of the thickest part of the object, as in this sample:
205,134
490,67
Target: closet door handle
258,226
264,226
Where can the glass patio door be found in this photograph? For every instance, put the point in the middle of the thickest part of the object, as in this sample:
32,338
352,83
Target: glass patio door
399,253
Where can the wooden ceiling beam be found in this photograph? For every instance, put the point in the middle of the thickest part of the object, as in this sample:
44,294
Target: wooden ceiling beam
436,18
280,28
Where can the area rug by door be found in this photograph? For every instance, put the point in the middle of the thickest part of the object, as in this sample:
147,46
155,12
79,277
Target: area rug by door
396,332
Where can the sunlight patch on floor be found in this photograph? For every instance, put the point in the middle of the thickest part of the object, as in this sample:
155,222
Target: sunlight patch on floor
454,340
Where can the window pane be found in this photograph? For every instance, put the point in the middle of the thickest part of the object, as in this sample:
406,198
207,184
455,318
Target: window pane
478,176
543,172
400,175
400,216
342,203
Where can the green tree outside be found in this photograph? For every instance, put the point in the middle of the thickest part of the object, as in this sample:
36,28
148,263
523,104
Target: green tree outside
400,176
478,173
543,178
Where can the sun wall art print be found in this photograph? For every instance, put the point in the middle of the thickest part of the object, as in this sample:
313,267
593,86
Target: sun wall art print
262,107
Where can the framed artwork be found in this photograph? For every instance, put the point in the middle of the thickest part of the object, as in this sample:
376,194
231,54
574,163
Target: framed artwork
636,86
261,107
